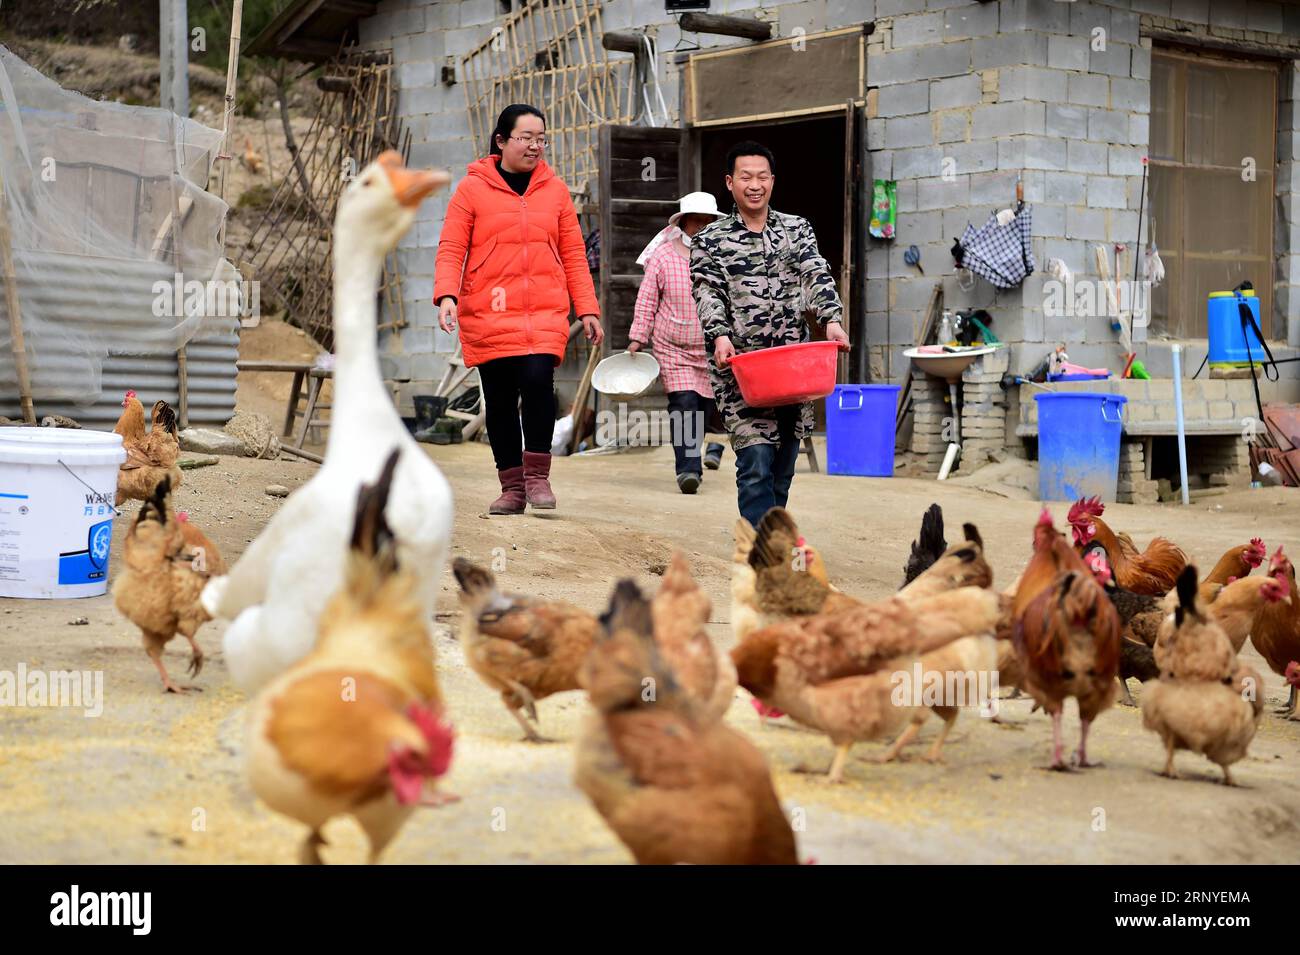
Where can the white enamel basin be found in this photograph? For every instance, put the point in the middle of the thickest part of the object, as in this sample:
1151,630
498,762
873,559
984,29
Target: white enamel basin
947,365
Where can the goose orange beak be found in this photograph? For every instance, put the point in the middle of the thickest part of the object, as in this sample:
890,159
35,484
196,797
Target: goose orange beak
411,186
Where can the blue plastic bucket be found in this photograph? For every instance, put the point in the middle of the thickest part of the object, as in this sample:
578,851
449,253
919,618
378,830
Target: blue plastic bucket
1223,324
860,430
1078,445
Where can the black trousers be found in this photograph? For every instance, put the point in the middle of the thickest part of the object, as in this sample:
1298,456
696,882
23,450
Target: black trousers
689,423
507,382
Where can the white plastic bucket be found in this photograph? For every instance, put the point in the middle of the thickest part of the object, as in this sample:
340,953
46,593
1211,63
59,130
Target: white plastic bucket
56,510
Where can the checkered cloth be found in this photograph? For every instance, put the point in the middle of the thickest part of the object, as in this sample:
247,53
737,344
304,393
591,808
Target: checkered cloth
999,253
665,318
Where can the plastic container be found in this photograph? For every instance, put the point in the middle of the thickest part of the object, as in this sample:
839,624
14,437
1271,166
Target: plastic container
1223,322
1078,445
56,510
860,430
787,374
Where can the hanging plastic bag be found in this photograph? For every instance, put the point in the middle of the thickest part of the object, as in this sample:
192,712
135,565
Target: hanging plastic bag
884,208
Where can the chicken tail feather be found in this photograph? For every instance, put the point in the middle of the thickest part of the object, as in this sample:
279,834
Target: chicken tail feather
776,537
1186,595
371,535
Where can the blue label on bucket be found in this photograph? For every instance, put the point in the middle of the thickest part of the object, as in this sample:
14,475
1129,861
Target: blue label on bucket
89,565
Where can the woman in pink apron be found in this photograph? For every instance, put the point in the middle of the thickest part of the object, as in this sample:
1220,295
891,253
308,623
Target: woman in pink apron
665,319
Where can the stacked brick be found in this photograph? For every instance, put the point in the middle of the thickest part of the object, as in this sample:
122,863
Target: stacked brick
931,420
1218,460
1134,487
984,409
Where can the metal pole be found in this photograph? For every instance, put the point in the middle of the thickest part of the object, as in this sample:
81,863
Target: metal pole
173,55
1178,408
165,56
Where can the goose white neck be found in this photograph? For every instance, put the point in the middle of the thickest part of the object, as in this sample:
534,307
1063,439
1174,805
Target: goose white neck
359,393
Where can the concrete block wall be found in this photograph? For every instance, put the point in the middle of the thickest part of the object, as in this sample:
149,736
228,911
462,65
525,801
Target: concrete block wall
1059,95
1210,406
425,35
965,98
1054,94
1286,284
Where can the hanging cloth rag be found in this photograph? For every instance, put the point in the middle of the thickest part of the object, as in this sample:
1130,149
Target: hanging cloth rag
998,252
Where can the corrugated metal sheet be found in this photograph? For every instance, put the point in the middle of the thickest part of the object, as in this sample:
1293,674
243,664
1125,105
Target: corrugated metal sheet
73,288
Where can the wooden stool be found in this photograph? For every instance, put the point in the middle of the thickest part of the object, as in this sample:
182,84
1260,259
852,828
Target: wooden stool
811,451
298,369
317,378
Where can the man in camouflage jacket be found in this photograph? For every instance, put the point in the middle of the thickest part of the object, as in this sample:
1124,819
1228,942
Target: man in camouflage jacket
753,274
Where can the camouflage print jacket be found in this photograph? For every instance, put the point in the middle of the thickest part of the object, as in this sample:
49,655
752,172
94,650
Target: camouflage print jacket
754,287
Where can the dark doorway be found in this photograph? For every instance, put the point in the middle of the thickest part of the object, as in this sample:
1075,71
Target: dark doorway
809,174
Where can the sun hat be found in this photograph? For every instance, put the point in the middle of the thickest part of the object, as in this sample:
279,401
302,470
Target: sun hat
693,203
696,203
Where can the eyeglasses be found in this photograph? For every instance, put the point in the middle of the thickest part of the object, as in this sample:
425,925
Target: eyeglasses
538,141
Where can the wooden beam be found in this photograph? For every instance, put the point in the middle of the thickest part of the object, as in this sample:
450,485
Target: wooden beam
357,8
333,84
311,49
746,27
297,20
624,41
16,342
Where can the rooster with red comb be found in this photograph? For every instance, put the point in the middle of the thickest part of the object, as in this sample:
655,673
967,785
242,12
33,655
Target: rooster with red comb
1152,571
1276,630
1066,634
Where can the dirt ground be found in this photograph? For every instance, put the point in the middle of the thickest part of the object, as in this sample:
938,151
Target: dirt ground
159,778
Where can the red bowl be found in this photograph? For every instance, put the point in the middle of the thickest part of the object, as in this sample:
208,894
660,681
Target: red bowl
787,374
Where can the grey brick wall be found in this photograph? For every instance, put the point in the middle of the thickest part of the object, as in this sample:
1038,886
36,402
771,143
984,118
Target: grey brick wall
967,97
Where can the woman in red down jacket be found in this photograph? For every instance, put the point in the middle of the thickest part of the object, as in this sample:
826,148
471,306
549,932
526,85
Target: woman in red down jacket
510,260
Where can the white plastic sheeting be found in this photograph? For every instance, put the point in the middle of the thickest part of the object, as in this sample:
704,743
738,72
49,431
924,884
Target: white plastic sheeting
91,191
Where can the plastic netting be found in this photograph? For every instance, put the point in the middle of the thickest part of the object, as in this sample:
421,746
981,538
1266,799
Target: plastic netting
106,204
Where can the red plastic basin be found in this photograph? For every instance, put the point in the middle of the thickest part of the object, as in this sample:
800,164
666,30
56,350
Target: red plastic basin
787,374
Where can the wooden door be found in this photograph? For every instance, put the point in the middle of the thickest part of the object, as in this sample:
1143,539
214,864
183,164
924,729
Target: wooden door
639,188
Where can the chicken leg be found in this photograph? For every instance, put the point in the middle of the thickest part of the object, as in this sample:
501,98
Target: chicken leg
531,735
1288,709
196,656
1126,698
309,854
836,774
905,737
1169,770
1081,754
153,645
1058,748
935,754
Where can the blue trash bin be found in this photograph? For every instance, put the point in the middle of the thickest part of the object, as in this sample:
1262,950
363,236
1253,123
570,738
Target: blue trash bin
860,430
1078,445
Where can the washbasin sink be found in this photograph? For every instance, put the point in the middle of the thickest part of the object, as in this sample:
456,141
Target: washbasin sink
949,364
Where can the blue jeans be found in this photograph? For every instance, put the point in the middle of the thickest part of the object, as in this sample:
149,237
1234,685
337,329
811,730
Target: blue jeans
693,413
763,476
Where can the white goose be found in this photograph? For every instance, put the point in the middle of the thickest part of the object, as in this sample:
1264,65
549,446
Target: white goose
275,593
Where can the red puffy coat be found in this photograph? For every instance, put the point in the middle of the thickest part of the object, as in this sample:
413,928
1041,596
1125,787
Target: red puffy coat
513,263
